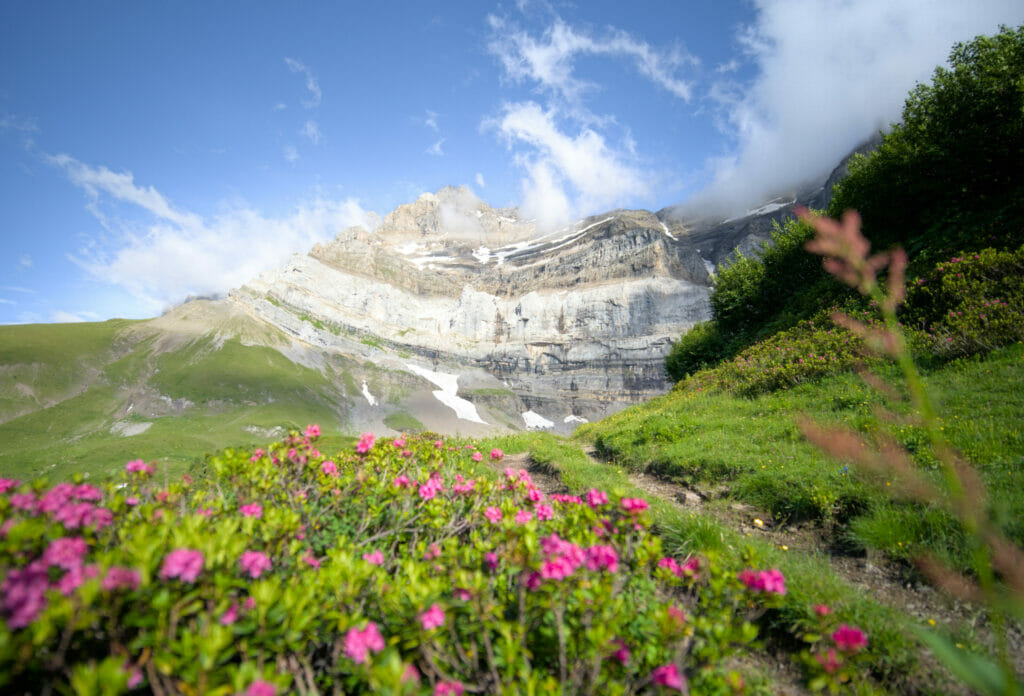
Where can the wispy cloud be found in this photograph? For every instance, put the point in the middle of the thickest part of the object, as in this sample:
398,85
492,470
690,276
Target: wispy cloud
25,261
480,180
62,317
6,301
829,75
15,288
431,120
312,85
291,155
312,131
435,149
181,254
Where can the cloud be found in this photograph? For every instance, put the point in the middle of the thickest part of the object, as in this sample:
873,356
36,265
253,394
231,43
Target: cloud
597,176
312,131
25,261
431,120
315,95
280,106
180,254
291,155
829,75
549,60
62,317
6,301
15,288
435,149
479,178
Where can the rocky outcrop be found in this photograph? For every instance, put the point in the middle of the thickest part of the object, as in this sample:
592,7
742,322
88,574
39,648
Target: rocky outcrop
574,322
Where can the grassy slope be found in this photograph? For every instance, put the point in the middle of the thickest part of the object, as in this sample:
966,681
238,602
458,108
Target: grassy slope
231,387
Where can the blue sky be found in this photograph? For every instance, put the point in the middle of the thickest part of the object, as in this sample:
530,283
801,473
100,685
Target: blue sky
150,151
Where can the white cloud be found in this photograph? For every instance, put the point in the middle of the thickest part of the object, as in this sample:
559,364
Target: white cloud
435,149
549,59
479,178
15,288
312,85
291,155
62,317
558,164
280,106
312,131
25,261
6,301
431,120
830,74
182,254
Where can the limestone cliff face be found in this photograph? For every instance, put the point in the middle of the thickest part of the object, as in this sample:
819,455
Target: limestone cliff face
575,322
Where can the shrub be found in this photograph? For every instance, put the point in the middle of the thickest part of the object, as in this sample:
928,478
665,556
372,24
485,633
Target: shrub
379,570
702,346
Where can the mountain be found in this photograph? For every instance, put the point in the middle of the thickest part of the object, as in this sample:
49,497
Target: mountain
450,316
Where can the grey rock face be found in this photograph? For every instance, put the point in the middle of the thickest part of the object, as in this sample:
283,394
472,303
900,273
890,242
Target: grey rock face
573,322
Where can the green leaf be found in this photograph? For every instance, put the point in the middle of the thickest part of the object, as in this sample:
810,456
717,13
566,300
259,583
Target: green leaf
977,672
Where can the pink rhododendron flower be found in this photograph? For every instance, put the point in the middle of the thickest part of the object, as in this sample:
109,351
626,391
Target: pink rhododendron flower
100,518
448,689
534,495
533,581
491,559
182,563
251,510
162,496
477,457
329,468
66,552
406,453
523,516
410,674
850,639
822,610
493,514
438,444
432,552
634,504
432,618
497,454
563,498
118,577
249,603
313,430
462,594
230,615
365,443
6,526
134,675
598,557
677,614
401,481
86,492
76,576
596,497
24,594
261,688
671,565
375,557
431,488
829,661
692,566
668,675
544,512
7,484
25,501
131,501
771,581
621,653
73,515
311,560
254,563
399,442
137,466
563,558
463,486
359,643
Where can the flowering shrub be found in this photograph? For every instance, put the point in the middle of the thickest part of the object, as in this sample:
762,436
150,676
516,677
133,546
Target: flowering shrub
387,571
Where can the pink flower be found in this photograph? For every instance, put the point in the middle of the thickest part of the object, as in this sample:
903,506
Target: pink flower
313,430
677,615
137,466
598,557
406,453
375,557
76,576
401,481
563,498
66,552
462,594
671,565
24,594
118,577
523,516
432,618
329,468
545,512
311,560
254,563
448,689
261,688
431,488
829,661
692,566
668,675
7,484
359,643
822,610
771,581
493,514
477,456
100,518
410,674
86,492
622,654
399,442
182,563
497,454
850,639
438,444
596,497
230,616
73,515
534,495
432,552
365,443
249,603
251,510
634,504
131,501
491,559
25,501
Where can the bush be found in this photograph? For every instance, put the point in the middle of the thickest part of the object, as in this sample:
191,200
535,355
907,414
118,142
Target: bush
702,346
383,570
